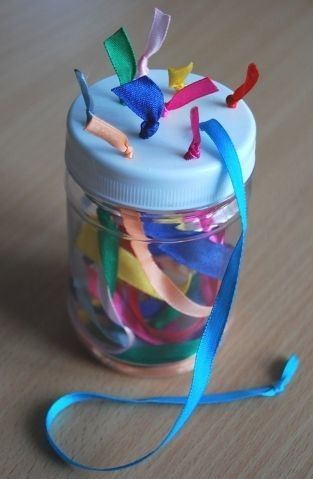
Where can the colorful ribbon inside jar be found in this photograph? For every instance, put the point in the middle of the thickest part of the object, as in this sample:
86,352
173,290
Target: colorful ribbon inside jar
142,287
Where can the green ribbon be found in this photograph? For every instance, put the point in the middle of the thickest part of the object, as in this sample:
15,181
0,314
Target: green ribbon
165,353
108,247
165,317
121,55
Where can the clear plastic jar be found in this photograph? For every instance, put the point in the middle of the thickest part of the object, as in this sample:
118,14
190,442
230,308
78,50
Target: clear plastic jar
113,304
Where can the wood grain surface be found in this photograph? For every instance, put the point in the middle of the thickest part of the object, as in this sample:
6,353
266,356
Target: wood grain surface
41,41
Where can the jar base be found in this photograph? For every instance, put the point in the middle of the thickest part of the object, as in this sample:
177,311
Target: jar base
166,370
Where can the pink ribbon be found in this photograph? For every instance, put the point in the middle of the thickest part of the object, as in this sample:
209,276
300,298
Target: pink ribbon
189,93
194,148
135,321
156,38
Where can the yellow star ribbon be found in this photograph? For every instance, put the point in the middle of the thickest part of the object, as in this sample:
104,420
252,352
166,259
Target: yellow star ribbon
129,268
178,75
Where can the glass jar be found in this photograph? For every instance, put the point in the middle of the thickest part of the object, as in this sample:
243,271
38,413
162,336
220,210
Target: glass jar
150,237
114,308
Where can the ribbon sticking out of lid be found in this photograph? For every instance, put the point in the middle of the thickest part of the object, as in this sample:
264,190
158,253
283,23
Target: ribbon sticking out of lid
99,127
252,77
189,93
177,76
157,35
121,54
144,98
194,148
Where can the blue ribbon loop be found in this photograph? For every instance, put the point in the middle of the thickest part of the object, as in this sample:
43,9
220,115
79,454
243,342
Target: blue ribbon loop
144,98
210,339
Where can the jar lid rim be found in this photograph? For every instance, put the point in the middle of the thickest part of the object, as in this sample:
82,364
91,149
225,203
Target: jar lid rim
158,178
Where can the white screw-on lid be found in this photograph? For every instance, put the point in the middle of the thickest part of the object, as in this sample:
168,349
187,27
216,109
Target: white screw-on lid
158,178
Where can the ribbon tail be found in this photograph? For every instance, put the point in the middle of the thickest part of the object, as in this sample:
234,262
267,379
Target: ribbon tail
157,35
287,375
178,75
194,148
86,93
251,79
121,55
191,92
112,135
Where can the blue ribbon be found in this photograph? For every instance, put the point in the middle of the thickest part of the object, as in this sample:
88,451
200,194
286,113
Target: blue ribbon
210,339
150,307
144,98
86,94
201,255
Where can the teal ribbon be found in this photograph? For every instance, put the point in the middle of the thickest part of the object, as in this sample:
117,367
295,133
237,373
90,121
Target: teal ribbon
209,342
164,353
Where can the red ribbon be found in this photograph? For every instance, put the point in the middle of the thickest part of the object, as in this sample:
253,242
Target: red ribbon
251,79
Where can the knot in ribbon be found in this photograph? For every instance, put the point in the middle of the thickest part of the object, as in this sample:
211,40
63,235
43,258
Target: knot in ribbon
179,86
252,77
193,152
194,148
148,129
129,152
99,127
178,75
165,111
288,373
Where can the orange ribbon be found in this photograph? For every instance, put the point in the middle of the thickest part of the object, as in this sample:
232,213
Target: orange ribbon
162,284
111,134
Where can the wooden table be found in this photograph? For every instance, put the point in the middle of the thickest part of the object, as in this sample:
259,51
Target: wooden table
41,43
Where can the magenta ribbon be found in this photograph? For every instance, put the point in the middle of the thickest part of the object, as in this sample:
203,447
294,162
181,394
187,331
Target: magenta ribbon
189,93
157,34
194,148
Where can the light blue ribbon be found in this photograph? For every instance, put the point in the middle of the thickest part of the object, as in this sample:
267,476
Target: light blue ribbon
209,342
